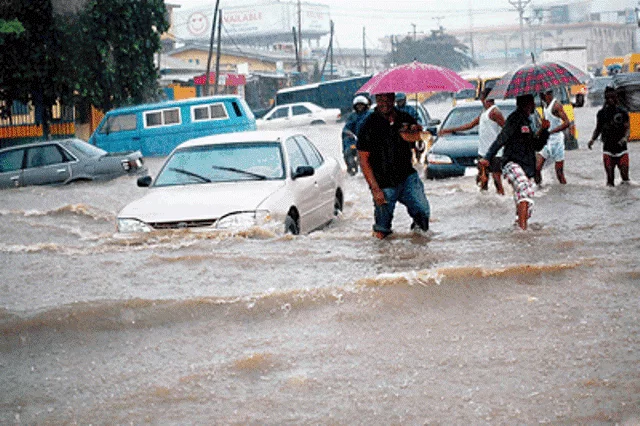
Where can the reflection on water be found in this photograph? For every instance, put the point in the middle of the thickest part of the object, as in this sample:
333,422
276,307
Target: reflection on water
475,322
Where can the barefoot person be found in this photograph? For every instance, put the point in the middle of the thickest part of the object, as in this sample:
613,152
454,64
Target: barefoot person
490,123
612,125
554,149
386,163
519,159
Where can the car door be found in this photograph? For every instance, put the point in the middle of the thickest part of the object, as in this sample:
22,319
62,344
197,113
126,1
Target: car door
301,115
306,192
323,178
11,167
46,164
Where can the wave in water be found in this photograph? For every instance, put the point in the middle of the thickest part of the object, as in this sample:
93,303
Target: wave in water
141,313
80,210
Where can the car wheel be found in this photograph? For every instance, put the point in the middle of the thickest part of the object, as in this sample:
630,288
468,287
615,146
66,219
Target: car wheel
316,122
338,204
291,224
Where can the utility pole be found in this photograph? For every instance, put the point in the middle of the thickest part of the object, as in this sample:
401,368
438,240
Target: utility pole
213,32
520,6
295,44
299,27
364,48
215,89
473,55
414,31
331,47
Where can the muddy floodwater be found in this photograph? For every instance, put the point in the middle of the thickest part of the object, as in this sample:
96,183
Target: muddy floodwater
474,323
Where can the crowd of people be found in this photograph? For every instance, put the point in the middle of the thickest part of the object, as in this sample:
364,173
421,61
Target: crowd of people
516,147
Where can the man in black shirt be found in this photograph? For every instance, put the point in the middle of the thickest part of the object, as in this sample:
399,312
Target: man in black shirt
520,144
386,163
613,126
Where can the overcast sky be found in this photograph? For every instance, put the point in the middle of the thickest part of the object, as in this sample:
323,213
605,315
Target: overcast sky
385,17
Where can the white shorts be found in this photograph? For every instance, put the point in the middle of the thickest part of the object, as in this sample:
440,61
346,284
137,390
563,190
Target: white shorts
554,149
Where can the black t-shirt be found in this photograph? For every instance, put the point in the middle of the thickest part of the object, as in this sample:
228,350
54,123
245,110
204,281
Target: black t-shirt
390,156
611,123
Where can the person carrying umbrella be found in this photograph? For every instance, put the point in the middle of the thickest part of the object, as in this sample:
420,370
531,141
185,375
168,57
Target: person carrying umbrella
519,158
386,163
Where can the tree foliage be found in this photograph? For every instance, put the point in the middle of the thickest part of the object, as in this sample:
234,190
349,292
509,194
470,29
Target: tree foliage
104,54
437,49
118,41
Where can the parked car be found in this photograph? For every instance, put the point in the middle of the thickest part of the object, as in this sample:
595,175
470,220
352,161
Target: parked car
595,89
456,154
238,180
297,114
63,161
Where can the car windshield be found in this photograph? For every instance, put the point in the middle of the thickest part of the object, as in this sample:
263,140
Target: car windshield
463,115
87,149
600,83
228,162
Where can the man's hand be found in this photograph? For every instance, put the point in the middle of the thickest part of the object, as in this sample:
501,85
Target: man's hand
378,196
545,124
590,144
483,162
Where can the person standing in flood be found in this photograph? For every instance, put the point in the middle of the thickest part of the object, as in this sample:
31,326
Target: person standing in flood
520,144
386,163
554,149
612,125
489,123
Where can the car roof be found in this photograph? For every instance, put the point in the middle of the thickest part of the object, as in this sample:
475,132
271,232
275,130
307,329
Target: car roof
476,104
240,137
40,143
299,103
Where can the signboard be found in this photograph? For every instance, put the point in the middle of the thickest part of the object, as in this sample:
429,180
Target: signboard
266,21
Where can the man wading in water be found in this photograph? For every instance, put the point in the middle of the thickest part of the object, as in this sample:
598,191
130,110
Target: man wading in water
386,163
519,159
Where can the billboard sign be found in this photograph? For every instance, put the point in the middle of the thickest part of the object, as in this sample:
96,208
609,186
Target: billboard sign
270,21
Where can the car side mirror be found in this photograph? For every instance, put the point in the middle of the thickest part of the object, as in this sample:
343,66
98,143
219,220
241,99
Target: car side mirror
433,122
303,171
433,131
144,181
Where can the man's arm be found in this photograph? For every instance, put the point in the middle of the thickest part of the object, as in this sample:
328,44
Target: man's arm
496,115
559,112
596,131
461,128
367,171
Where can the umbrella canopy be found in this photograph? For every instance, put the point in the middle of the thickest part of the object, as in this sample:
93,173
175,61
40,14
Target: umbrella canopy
536,78
415,78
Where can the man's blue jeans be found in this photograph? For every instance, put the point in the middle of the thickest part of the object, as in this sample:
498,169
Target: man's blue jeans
411,194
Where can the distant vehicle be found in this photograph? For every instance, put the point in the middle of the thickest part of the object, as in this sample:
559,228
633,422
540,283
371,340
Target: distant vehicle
595,89
631,63
612,65
456,154
327,94
576,56
627,86
239,180
156,129
63,161
481,80
297,114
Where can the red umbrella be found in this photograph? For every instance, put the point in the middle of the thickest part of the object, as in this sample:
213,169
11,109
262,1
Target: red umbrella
415,78
537,78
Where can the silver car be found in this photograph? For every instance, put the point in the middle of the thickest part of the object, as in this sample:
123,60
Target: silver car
63,161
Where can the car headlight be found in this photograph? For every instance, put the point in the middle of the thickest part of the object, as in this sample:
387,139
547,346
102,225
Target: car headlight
439,159
132,225
243,220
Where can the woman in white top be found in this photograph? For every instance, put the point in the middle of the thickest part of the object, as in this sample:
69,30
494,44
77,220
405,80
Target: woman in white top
490,124
554,149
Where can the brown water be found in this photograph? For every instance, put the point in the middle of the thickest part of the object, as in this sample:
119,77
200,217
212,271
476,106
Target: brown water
475,323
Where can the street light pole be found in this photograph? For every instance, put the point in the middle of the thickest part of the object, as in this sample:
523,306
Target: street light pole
520,6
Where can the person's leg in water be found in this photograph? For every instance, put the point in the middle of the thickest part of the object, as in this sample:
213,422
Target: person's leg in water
539,164
560,172
522,210
623,166
496,173
609,168
482,179
383,214
415,200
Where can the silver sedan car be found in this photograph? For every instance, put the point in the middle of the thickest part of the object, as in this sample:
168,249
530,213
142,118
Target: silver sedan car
63,161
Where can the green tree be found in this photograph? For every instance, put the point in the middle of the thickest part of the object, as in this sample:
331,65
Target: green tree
438,49
117,41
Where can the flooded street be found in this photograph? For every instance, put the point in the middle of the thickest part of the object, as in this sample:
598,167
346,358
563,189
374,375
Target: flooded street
475,323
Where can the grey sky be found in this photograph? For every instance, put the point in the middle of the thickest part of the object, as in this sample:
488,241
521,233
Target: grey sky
385,17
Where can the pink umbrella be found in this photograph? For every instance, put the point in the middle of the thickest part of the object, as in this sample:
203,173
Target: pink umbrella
415,78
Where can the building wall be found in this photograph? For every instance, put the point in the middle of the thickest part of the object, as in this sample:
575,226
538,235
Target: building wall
228,63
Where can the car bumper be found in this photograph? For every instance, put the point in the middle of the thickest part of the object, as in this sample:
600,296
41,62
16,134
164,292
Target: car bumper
443,171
